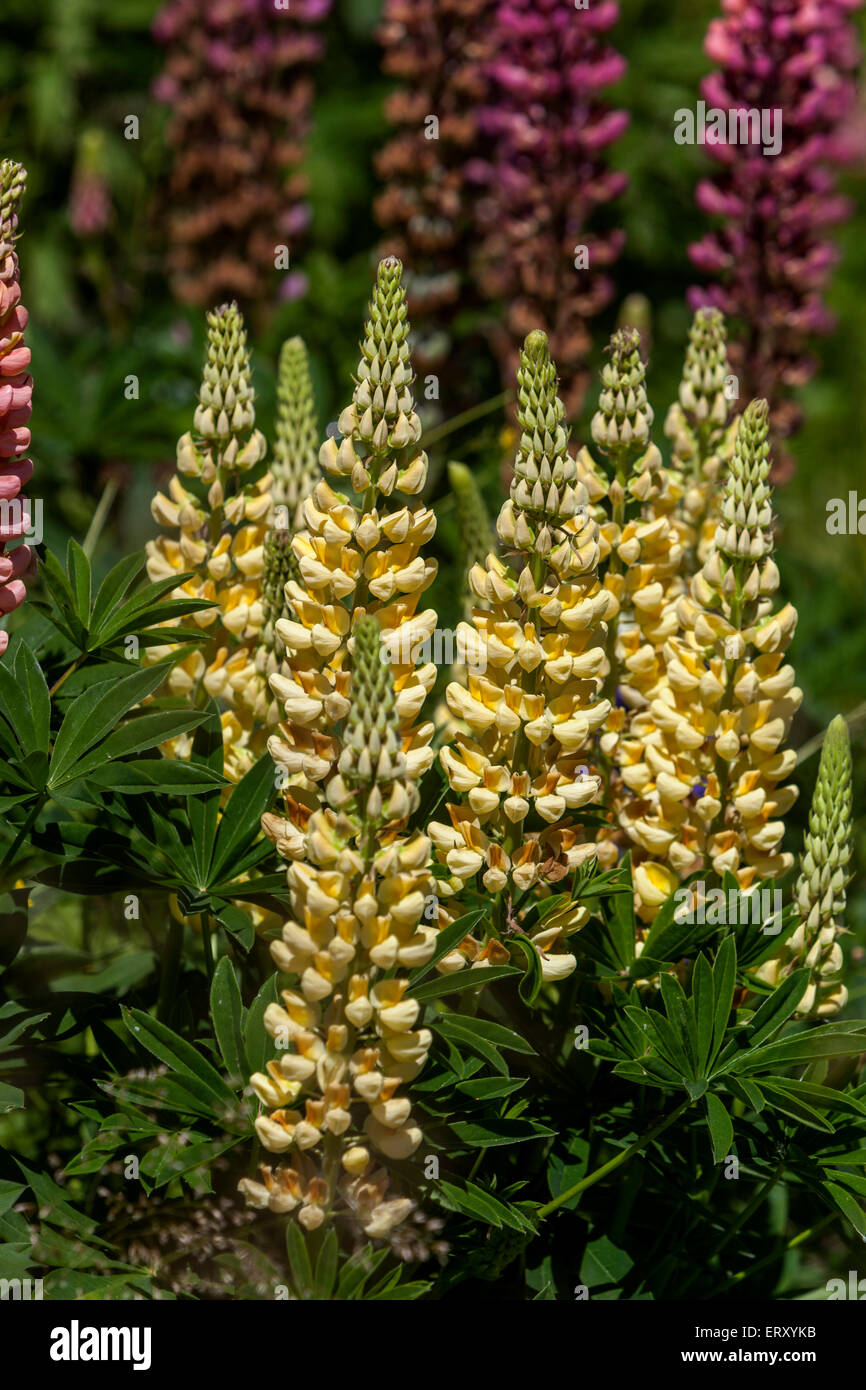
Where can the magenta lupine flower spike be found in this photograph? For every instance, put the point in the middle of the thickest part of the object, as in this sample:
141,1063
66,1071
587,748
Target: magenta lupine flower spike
769,256
237,80
16,390
545,177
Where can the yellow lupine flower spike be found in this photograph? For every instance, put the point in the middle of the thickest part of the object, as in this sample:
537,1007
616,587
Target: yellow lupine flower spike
700,429
708,753
361,558
534,658
219,517
362,897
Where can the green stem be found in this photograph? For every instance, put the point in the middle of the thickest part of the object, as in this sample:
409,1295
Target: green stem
468,416
621,1158
170,971
792,1244
748,1210
9,856
207,943
94,530
476,1165
614,567
66,674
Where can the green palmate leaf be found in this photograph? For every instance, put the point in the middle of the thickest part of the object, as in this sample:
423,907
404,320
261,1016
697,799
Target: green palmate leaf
78,569
491,1087
16,710
649,1073
755,945
93,714
11,1098
494,1133
474,1201
203,812
166,776
165,1162
258,1044
148,608
604,1263
621,932
112,589
240,823
54,1204
670,939
720,1127
357,1269
31,682
184,1059
182,1095
326,1266
822,1097
777,1009
746,1091
724,983
855,1181
62,612
830,1040
846,1204
236,921
253,889
299,1261
681,1014
703,1004
483,1037
789,1103
446,940
463,980
137,735
854,1156
494,1033
227,1012
657,1036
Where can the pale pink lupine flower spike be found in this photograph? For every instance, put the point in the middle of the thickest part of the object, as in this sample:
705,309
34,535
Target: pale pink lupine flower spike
16,391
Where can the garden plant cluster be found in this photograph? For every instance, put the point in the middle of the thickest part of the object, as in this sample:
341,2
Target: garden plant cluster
408,889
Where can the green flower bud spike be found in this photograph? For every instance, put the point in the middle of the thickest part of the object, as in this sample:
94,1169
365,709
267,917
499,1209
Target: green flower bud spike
294,466
545,492
622,423
740,565
381,429
225,409
475,528
372,780
280,565
223,440
819,895
701,432
746,510
705,371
